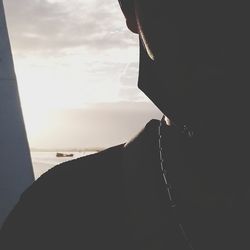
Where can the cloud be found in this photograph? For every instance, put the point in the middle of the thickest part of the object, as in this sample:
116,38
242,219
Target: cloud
128,75
128,80
52,26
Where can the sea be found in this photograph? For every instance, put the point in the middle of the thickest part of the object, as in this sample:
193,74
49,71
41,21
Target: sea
43,161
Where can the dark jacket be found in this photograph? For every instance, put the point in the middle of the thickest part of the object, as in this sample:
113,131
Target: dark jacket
115,199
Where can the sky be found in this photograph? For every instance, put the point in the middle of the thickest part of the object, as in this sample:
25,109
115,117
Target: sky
77,67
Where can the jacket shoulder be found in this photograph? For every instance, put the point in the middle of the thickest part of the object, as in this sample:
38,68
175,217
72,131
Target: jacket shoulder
83,193
79,171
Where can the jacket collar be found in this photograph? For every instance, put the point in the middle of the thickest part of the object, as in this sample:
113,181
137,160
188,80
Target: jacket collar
145,191
144,187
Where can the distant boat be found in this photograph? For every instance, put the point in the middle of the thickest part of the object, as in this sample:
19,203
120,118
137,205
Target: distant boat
64,155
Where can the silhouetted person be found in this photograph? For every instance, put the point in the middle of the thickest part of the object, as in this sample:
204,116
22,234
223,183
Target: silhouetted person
182,182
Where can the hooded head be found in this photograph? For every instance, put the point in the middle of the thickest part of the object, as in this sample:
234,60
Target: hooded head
183,57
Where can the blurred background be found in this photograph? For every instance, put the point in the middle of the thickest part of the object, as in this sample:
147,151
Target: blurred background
77,67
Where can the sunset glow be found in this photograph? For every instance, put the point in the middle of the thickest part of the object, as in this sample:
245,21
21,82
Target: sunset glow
70,55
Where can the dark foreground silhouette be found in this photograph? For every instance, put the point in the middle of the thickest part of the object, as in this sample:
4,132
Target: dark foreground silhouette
116,199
